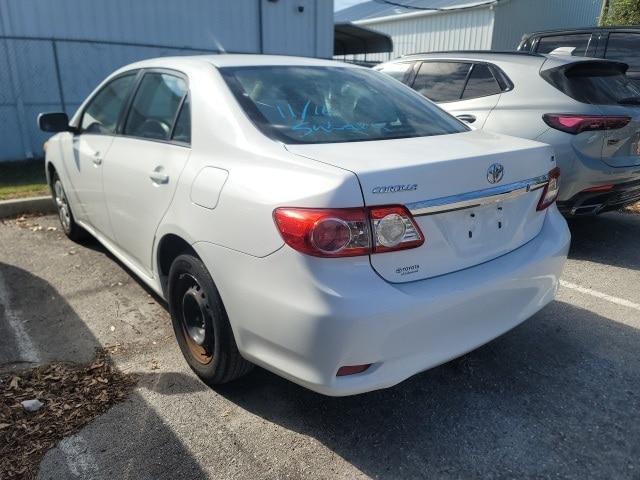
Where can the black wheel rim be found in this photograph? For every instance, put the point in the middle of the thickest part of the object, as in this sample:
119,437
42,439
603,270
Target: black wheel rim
195,319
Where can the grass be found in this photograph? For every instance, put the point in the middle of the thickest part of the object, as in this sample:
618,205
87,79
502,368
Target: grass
22,179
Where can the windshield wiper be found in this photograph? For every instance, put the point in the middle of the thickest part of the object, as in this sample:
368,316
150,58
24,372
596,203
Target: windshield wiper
629,101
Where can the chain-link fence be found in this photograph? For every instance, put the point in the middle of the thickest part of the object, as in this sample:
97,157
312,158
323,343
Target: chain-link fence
44,74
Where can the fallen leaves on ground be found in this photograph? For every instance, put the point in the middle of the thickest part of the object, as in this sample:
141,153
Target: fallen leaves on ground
633,208
72,396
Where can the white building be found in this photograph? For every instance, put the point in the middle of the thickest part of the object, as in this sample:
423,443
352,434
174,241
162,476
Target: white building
433,25
54,52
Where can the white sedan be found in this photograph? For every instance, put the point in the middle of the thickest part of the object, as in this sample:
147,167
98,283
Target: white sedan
315,218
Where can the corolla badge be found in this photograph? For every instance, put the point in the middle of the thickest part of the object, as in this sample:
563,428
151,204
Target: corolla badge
495,173
395,188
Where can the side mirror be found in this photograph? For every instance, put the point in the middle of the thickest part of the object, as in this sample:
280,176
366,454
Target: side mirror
54,122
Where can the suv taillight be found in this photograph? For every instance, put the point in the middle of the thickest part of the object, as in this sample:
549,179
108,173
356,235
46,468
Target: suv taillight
348,232
550,190
575,124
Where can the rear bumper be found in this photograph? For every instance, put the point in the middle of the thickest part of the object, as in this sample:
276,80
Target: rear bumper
304,317
591,203
580,160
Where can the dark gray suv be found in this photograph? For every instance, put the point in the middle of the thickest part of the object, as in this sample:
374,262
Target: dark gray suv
614,43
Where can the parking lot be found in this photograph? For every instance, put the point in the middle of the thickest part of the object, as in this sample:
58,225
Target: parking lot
559,396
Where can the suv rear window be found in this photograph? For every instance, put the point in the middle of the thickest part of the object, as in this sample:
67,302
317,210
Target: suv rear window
597,83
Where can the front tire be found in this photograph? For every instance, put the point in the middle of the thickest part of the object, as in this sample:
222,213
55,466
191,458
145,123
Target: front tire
67,221
200,323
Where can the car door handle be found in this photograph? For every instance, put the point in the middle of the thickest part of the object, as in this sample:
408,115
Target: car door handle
467,118
159,177
97,158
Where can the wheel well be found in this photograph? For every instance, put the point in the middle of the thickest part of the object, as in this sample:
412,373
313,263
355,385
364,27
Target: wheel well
169,248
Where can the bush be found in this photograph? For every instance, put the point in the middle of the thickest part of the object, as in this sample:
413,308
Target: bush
620,12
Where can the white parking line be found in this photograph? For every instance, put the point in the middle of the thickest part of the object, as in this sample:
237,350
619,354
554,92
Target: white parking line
26,349
603,296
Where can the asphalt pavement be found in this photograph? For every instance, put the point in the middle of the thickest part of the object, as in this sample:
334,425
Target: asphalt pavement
557,397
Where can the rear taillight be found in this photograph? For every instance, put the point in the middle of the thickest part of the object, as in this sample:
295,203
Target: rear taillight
348,232
575,124
550,190
394,229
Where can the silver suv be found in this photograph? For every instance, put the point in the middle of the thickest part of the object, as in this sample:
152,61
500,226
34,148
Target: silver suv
587,109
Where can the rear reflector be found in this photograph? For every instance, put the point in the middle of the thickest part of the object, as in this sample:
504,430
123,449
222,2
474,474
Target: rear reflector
550,191
600,188
351,370
575,124
348,232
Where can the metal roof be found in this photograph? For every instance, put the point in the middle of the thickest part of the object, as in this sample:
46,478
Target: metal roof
378,9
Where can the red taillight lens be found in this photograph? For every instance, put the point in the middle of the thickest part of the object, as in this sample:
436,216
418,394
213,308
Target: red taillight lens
340,232
575,124
550,191
347,232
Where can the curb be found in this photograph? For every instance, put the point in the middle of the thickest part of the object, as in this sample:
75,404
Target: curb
10,208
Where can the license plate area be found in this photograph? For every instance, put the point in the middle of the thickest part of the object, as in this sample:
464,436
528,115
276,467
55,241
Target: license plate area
477,230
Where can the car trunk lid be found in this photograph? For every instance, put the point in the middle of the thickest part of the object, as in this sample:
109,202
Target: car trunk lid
473,195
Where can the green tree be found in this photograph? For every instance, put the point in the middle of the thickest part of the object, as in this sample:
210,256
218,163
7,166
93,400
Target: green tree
620,12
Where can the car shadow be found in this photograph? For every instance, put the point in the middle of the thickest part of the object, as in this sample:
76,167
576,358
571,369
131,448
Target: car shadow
557,396
134,446
610,239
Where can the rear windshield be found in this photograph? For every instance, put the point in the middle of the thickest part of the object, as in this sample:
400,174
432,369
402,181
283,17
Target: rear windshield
299,104
597,83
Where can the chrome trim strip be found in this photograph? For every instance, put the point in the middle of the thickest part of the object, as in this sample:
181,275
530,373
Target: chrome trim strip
477,198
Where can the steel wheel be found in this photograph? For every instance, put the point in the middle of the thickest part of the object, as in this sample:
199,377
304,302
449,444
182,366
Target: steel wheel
195,319
201,324
63,205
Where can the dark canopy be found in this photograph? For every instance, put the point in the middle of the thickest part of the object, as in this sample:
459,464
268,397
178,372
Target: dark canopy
350,39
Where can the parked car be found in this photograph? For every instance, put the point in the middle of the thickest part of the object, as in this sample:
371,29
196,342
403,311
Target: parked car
614,43
309,216
587,109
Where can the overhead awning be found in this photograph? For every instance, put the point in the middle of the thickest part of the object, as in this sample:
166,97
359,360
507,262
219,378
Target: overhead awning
349,39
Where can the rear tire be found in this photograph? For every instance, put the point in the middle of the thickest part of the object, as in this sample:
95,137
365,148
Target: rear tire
69,226
200,323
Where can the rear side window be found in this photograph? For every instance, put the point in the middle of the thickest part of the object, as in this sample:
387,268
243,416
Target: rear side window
624,47
579,43
441,81
155,106
597,83
481,83
182,130
103,111
399,71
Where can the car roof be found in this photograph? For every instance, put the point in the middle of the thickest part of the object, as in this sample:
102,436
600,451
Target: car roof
515,58
234,60
559,31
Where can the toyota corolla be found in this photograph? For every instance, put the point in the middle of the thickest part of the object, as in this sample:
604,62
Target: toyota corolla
315,218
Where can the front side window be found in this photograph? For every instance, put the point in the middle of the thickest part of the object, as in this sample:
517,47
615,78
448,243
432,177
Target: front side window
399,71
155,106
103,111
481,83
624,47
576,44
306,104
441,81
